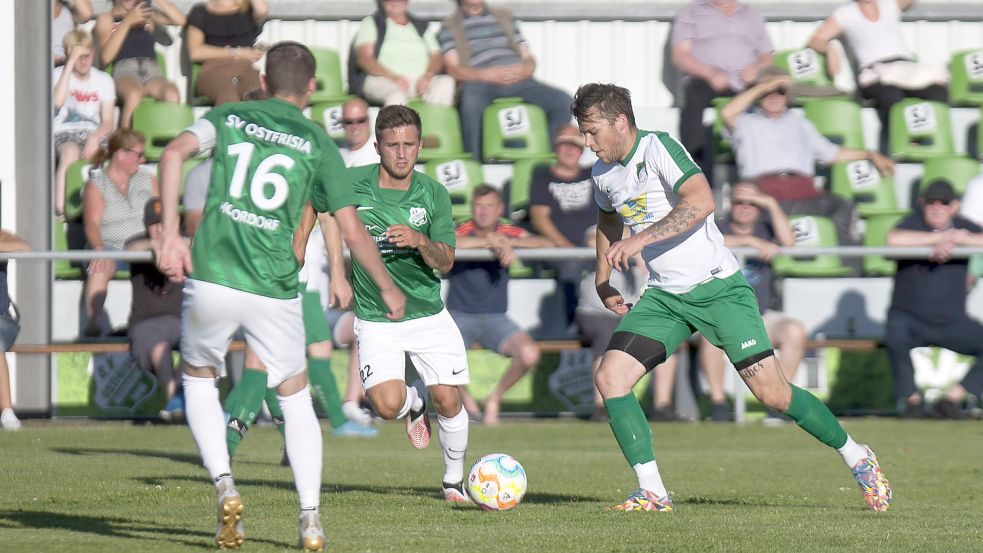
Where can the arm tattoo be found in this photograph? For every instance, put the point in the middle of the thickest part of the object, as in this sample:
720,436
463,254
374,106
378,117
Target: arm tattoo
675,222
748,373
439,256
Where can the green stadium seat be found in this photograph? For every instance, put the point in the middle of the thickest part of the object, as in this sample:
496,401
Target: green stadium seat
811,230
459,176
919,130
859,181
838,120
161,122
722,152
442,137
328,115
513,130
966,78
75,179
518,197
877,227
804,66
957,170
62,268
328,74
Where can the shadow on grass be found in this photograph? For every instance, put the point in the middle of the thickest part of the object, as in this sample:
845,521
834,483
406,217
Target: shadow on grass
187,458
432,492
112,527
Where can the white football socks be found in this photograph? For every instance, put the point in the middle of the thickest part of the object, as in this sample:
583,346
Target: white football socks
412,403
650,479
852,452
206,419
454,445
302,434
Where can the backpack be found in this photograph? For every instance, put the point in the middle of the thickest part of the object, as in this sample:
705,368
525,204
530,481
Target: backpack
356,77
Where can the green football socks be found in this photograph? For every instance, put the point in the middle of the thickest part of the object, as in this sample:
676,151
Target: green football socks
815,418
326,389
273,404
242,405
630,429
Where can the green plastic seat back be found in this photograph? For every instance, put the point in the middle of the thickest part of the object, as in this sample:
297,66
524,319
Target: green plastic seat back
966,78
514,130
860,182
877,227
722,151
75,179
957,170
521,183
804,66
919,130
62,268
330,86
811,230
838,120
459,176
161,122
328,115
442,137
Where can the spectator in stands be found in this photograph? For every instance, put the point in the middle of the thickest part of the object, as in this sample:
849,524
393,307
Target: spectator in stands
971,207
887,70
65,15
396,59
126,42
719,45
478,291
155,317
113,204
221,35
83,102
756,221
778,150
928,306
9,328
561,208
484,51
358,133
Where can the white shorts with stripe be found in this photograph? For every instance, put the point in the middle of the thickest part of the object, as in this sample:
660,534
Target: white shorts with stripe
433,343
273,328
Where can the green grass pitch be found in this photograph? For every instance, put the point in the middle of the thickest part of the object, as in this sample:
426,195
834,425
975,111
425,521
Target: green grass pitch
108,487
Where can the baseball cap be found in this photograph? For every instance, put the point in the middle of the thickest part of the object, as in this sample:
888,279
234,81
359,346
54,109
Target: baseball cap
939,190
568,134
151,213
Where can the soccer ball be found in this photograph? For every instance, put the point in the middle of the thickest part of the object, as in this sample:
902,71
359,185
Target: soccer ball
497,482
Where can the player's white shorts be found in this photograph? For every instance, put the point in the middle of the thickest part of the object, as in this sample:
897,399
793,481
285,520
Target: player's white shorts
273,328
433,343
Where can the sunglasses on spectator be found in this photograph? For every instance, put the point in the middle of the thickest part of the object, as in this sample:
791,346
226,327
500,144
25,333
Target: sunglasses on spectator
140,153
780,91
937,201
361,121
742,202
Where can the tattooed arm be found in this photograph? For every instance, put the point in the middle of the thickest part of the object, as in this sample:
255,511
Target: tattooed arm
695,205
437,255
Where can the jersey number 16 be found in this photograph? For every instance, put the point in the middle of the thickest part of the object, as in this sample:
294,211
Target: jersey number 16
262,176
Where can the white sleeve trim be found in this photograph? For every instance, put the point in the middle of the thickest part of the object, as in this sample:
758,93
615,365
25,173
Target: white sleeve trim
205,131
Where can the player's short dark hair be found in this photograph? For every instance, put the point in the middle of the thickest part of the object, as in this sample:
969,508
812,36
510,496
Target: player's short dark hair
394,116
608,101
485,190
289,68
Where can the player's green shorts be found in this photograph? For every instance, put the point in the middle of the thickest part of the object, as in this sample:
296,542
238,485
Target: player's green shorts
315,323
724,310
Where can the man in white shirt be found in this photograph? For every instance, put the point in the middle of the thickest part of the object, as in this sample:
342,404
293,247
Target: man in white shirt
358,132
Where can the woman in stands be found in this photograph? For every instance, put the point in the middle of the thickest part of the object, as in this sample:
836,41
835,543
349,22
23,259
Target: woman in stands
126,41
221,36
113,204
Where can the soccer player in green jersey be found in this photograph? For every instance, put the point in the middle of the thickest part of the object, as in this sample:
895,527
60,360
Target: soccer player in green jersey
269,162
647,182
409,216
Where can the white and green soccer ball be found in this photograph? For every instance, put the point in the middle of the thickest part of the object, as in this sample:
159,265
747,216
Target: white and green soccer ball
497,482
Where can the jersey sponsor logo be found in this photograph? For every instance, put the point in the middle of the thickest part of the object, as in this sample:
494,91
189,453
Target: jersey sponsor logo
418,216
272,136
749,343
248,218
635,210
